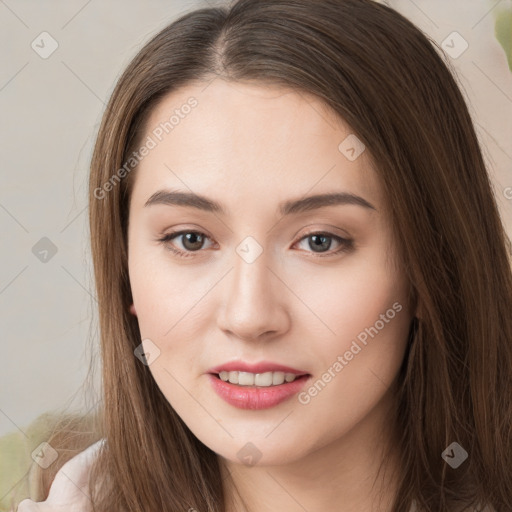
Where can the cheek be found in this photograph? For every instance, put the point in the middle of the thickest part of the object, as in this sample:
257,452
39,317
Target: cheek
366,309
162,292
365,319
173,304
355,296
170,313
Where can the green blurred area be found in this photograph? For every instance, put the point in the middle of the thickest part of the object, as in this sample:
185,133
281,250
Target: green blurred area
16,460
503,31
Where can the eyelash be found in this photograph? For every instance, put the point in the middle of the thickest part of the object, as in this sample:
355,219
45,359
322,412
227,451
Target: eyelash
346,243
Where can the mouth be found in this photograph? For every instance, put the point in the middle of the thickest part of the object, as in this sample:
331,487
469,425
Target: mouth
245,390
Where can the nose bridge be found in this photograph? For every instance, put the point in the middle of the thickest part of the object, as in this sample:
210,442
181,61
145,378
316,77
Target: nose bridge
253,305
251,274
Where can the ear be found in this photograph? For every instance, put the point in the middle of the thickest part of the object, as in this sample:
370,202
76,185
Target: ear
419,312
132,310
417,306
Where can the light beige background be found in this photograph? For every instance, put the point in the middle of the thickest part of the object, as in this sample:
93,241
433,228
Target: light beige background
51,109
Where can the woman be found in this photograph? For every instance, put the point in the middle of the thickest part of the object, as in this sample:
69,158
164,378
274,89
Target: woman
304,284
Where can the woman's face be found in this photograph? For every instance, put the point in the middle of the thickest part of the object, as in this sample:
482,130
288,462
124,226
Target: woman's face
269,274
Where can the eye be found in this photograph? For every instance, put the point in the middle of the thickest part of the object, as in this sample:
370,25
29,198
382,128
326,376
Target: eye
191,241
321,242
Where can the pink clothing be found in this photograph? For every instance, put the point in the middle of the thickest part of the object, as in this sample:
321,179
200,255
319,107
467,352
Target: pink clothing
68,492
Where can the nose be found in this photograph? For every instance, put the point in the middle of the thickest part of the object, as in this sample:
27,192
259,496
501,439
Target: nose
254,305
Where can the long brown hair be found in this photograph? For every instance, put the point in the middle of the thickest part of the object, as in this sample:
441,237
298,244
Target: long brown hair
390,83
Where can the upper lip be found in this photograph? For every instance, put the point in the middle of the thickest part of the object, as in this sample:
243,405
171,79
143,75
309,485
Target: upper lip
261,367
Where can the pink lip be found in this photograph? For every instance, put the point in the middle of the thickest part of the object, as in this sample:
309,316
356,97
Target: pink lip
264,366
252,397
255,397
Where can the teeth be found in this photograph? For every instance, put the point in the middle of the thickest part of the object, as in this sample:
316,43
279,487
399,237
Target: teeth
257,379
278,378
245,379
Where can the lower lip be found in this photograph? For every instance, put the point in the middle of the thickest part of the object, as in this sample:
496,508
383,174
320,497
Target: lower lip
251,397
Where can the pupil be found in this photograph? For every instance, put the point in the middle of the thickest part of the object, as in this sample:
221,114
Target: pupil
319,241
193,239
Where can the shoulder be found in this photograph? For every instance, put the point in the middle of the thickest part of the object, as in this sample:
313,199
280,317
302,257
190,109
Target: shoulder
70,485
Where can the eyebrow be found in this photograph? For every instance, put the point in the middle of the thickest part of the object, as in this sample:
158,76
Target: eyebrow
294,206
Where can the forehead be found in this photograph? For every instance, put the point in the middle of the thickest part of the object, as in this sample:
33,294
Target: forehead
248,137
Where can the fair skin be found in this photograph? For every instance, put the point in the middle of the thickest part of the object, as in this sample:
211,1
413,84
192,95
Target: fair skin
250,147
